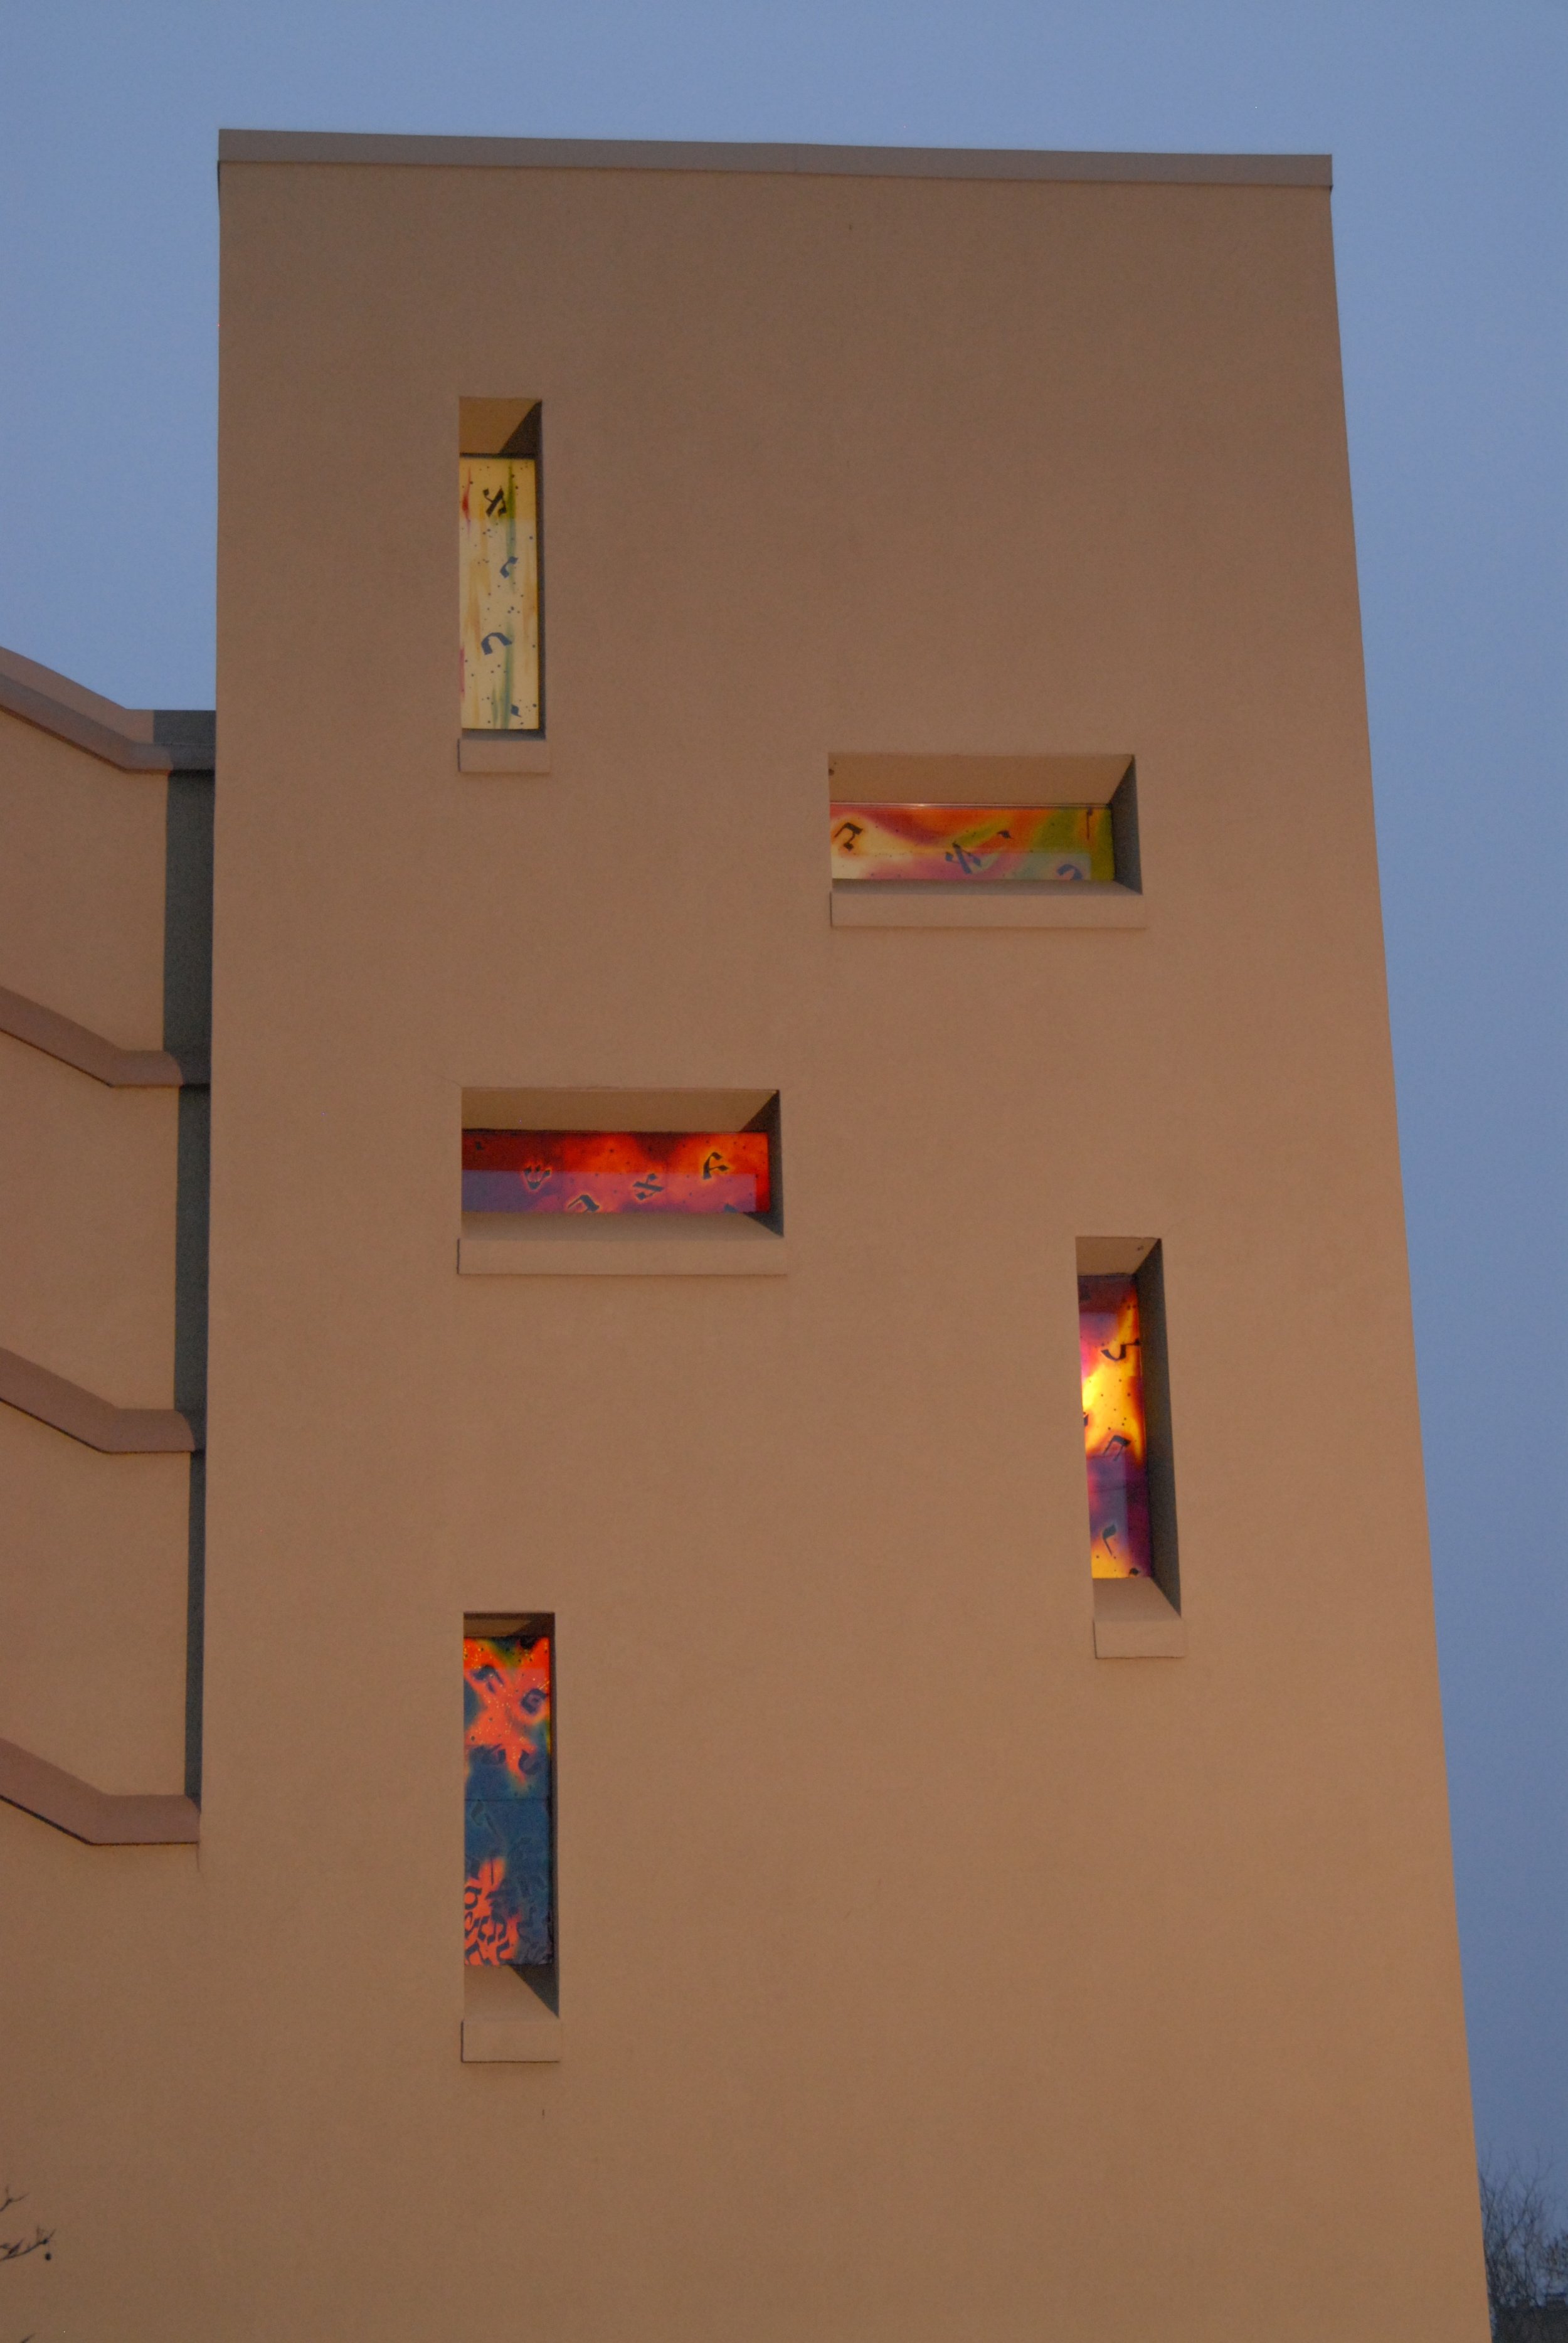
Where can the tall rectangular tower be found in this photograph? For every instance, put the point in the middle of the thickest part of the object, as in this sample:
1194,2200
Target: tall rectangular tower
820,1705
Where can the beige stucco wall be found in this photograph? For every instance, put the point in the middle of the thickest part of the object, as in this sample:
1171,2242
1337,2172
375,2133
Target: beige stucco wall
921,1975
93,1551
82,885
93,1588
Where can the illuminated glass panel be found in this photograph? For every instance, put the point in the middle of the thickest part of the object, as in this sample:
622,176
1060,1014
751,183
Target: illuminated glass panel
1049,846
507,1918
499,587
1115,1427
615,1172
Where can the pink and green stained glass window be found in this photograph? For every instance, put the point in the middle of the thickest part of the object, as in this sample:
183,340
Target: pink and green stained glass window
1115,1427
637,1172
923,845
508,1917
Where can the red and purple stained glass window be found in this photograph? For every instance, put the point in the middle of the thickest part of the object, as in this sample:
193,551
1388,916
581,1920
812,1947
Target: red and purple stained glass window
1115,1427
507,1894
1049,846
615,1172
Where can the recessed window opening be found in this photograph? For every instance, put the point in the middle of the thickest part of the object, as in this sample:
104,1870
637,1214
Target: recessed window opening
1126,1411
1115,1427
499,533
893,845
637,1172
564,1163
1012,824
509,1742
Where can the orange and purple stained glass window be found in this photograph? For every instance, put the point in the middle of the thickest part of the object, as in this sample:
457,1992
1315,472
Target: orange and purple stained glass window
1115,1427
507,1919
615,1172
1049,846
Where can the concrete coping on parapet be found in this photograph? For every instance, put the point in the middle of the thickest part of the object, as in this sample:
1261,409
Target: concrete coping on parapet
801,160
134,740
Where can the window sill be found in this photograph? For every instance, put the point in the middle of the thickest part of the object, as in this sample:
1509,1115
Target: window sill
1134,1621
503,752
503,1244
860,903
505,2023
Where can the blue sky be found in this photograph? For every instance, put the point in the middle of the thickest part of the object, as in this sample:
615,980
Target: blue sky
1449,127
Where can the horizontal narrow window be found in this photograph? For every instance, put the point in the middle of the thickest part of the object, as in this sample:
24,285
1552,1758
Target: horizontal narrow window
621,1182
922,844
498,566
933,828
641,1171
508,1898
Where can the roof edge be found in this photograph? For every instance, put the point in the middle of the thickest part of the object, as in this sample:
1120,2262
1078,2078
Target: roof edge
134,723
107,742
136,739
825,161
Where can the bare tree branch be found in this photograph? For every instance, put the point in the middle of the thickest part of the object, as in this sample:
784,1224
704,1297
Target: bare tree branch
1525,2244
16,2249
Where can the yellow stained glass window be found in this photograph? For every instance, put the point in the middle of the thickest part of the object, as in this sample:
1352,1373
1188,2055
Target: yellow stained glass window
499,584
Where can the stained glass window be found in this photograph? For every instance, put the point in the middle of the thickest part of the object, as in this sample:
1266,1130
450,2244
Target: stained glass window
498,585
507,1897
1115,1426
1049,846
580,1172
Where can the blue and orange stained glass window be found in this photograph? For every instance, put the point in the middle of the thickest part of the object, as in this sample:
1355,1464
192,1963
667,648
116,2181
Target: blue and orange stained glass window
498,592
891,845
509,1895
1115,1427
638,1171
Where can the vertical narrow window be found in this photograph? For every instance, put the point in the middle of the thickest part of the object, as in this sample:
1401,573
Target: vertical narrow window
508,1898
498,566
1127,1447
1115,1426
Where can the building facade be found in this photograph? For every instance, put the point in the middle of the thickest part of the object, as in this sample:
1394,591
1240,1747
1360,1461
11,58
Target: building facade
751,1651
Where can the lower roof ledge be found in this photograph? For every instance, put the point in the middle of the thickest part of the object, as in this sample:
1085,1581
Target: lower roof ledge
97,1423
96,1817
